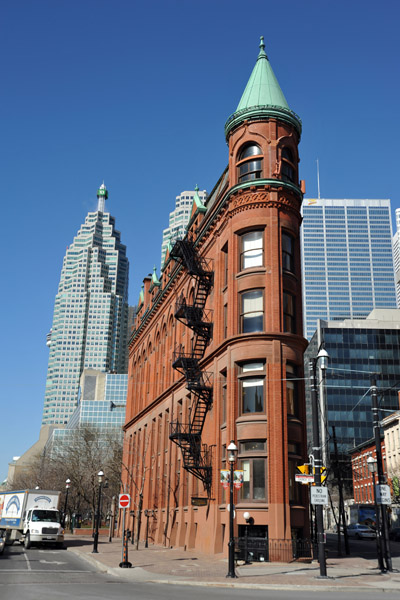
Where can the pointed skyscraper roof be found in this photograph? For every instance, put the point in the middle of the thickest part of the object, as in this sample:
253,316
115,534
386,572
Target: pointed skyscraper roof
102,195
262,97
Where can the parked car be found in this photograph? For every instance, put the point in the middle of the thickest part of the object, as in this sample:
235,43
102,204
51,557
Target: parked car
360,531
394,534
2,543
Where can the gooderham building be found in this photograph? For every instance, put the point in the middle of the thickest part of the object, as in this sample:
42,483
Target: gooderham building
217,349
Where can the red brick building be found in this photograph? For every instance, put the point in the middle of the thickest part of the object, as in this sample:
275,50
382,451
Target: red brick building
363,479
216,353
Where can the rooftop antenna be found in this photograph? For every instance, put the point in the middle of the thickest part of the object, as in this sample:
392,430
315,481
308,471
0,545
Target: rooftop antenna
319,193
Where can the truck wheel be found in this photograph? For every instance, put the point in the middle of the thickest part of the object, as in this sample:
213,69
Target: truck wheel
27,541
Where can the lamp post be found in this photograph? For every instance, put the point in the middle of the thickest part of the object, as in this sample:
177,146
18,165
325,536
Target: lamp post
385,546
232,452
100,476
323,357
67,486
372,468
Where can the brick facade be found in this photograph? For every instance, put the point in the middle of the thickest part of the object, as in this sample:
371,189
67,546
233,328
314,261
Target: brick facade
248,351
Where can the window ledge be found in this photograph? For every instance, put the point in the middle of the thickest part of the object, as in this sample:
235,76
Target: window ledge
251,271
249,417
290,274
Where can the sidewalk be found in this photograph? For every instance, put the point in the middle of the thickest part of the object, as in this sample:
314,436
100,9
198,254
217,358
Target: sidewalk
180,567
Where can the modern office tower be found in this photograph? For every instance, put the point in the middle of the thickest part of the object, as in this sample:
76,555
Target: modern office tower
90,313
179,217
357,349
101,408
347,259
396,256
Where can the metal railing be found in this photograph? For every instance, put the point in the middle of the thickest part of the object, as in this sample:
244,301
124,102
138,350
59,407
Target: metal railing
256,549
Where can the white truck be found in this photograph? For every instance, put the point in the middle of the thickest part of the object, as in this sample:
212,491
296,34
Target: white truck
31,516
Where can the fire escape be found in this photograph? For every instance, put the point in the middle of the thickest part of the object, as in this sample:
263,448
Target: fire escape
196,456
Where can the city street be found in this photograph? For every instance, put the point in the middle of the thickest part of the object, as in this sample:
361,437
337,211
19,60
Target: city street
47,573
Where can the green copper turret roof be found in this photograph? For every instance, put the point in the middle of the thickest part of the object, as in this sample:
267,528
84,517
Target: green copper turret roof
262,97
262,88
154,278
197,200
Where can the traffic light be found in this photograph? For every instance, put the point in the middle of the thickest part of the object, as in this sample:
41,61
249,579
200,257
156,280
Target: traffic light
322,470
303,469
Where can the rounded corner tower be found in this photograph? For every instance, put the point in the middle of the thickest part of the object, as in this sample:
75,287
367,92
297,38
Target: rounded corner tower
265,199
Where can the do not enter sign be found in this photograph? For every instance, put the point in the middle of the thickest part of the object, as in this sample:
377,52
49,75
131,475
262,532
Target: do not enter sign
124,500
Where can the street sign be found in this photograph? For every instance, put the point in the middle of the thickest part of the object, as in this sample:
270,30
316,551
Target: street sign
319,495
304,478
383,494
124,500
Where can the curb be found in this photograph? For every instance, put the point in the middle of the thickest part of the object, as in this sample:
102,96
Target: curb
141,575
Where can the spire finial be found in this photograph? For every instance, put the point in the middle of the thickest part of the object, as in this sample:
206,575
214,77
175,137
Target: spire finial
102,195
262,48
196,188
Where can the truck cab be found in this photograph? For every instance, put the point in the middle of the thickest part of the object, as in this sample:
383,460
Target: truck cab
43,525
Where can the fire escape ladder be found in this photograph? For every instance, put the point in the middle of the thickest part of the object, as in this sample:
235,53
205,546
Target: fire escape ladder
196,456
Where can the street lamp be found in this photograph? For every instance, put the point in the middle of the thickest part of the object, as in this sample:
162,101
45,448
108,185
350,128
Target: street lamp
249,521
232,452
67,486
100,476
323,357
373,468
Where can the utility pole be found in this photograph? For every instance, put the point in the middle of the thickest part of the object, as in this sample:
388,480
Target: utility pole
381,477
342,516
317,460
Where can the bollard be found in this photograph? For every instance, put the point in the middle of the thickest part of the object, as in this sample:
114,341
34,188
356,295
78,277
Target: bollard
125,564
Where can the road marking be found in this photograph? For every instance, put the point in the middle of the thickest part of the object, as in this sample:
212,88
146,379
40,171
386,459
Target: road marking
42,571
27,562
52,562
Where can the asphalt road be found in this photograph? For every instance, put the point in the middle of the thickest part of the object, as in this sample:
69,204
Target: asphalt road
47,574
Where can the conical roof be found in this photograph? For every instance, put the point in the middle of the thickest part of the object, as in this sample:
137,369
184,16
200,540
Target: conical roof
262,97
262,88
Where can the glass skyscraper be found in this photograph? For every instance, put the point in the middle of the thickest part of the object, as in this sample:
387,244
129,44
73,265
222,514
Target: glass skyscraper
358,349
396,256
101,408
347,259
180,216
90,320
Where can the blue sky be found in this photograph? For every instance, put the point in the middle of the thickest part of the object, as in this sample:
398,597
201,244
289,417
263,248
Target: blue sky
137,94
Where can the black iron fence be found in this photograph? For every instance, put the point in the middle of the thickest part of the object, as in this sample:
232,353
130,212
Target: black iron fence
256,549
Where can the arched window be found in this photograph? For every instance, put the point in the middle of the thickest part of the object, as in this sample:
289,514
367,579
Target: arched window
249,163
288,169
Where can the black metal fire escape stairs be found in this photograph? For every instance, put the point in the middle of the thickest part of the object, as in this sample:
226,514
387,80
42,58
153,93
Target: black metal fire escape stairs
196,456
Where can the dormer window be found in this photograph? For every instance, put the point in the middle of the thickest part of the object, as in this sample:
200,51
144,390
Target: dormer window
288,170
249,163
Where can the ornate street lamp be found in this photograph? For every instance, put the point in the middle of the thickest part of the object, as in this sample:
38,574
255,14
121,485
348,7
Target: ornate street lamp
323,357
232,452
67,486
249,521
100,476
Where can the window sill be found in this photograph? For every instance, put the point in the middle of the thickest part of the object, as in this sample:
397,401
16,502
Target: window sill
249,417
290,274
251,271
